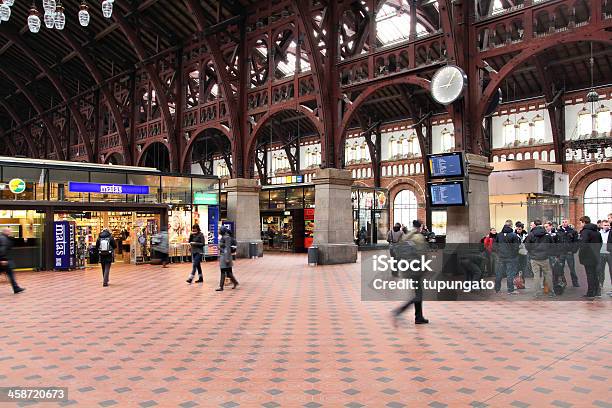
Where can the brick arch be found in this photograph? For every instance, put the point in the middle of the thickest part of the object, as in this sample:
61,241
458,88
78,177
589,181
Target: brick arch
400,184
146,147
579,184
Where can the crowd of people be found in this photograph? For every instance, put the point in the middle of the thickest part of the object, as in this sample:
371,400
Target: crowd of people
543,252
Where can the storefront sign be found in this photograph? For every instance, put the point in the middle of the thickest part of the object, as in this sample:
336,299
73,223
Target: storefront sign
75,187
201,198
213,231
17,186
64,244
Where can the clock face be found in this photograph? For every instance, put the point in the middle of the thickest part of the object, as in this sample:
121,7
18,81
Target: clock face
447,84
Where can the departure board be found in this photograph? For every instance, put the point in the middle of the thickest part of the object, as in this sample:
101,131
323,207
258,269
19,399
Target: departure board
446,194
447,165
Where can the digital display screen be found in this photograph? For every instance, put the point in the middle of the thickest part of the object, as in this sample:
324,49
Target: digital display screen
446,165
447,194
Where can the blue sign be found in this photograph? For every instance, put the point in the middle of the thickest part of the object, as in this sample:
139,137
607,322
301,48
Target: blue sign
213,230
64,241
75,187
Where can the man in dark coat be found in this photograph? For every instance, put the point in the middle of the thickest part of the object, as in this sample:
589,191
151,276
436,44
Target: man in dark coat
568,238
227,248
105,245
588,254
506,246
5,263
538,244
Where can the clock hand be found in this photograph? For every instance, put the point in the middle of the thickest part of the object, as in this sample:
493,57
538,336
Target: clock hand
451,80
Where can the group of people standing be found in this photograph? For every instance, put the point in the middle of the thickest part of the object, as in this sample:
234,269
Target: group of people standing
546,249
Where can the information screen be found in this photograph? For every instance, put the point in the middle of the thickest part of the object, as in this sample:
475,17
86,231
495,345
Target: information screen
446,165
447,194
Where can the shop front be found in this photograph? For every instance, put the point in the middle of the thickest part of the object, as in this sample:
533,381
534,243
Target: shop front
57,210
287,218
370,215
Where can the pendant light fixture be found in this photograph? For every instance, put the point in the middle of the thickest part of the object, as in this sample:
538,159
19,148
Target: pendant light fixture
9,2
107,8
49,19
34,19
5,12
84,14
59,17
49,6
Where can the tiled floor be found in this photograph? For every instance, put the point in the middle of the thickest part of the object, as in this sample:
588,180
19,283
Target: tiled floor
292,336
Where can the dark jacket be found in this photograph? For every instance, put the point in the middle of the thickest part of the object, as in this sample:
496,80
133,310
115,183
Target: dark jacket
590,245
106,258
538,243
568,238
225,251
197,243
507,244
610,242
557,248
6,243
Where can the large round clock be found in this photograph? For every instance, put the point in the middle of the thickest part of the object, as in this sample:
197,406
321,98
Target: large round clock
448,84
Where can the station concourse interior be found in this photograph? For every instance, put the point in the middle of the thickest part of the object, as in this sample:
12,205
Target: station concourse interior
292,143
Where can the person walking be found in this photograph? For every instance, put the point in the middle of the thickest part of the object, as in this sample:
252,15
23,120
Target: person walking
161,245
588,254
197,241
411,246
227,249
604,256
506,246
523,260
6,264
395,235
538,244
568,239
105,245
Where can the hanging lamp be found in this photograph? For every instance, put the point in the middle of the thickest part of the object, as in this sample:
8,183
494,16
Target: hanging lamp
84,14
5,12
107,8
59,19
34,19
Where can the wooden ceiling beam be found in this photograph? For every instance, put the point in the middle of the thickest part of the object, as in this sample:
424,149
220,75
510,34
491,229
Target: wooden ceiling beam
55,139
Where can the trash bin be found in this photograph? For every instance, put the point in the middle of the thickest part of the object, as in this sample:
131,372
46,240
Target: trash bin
253,250
313,256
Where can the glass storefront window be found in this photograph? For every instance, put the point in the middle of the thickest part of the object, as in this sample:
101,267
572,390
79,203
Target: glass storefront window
295,198
33,178
309,197
107,178
59,185
144,180
176,190
277,199
264,200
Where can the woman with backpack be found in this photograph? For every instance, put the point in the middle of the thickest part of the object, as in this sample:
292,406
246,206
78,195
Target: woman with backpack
105,245
227,249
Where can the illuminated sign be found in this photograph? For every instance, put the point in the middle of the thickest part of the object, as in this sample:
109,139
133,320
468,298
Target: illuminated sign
17,186
202,198
75,187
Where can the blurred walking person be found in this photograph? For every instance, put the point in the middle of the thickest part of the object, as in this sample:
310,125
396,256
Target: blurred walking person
227,249
6,264
197,241
411,246
395,235
105,245
161,246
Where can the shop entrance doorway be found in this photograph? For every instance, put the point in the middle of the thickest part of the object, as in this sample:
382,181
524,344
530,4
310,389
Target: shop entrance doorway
131,230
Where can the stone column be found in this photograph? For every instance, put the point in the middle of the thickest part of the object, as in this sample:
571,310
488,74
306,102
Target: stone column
469,224
243,210
333,231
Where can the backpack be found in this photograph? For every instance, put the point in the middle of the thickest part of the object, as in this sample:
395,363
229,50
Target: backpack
105,246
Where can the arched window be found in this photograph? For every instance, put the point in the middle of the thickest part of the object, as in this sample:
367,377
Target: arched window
519,156
384,171
536,155
551,156
418,168
503,158
511,156
406,169
405,208
598,199
545,155
495,159
394,171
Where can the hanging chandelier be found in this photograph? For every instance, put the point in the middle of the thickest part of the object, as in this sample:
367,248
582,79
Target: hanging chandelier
84,14
5,11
